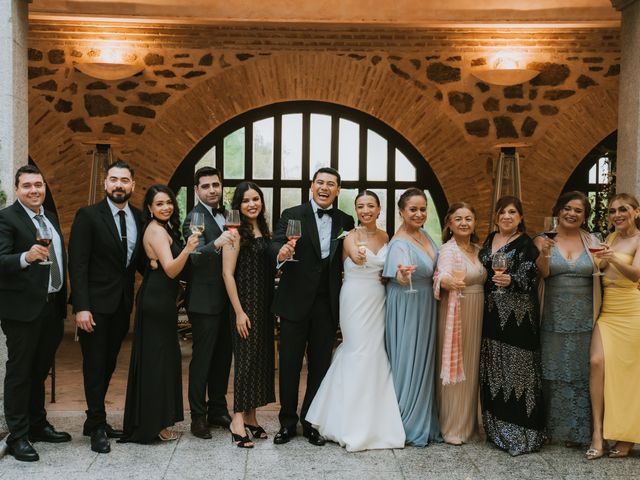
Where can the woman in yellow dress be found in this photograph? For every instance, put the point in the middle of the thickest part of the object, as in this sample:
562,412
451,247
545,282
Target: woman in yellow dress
615,346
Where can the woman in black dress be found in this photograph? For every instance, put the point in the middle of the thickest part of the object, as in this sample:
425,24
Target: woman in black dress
154,388
510,366
248,274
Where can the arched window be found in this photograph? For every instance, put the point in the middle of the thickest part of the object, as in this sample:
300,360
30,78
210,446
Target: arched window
280,146
595,176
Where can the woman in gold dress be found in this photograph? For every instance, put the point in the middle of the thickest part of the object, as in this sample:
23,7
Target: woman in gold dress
615,346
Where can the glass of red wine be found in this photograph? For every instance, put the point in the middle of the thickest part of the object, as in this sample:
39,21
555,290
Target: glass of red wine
596,244
294,232
499,265
550,229
232,221
44,238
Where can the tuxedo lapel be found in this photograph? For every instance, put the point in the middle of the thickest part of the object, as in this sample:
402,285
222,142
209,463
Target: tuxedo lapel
211,227
336,226
312,228
24,216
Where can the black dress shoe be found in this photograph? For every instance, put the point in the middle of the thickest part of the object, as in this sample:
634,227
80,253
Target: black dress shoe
199,428
313,436
223,421
22,450
99,441
49,434
112,432
284,435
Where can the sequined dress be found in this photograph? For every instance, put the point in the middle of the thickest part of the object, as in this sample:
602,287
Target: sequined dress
567,321
510,370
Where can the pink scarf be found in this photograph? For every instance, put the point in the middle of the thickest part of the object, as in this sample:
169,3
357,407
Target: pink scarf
452,370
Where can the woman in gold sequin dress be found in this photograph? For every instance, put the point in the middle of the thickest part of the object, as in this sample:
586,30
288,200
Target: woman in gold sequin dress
615,345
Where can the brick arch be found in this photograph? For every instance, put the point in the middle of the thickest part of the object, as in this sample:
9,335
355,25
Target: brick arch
411,111
573,134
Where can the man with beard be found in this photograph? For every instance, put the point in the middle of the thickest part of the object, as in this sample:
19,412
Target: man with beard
103,247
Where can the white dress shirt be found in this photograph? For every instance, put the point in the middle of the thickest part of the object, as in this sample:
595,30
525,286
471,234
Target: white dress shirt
324,229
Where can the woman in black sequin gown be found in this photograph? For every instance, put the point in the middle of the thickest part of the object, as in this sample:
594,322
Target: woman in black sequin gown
154,388
510,363
248,274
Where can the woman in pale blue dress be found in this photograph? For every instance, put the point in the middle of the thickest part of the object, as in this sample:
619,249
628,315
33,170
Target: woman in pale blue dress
411,320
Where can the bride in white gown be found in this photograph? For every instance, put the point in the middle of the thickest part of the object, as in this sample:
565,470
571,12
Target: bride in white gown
356,404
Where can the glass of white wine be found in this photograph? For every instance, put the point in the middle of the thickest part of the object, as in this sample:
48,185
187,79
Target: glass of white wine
197,226
410,265
458,273
361,242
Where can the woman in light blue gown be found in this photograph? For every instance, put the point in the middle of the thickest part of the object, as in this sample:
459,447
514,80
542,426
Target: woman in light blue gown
411,320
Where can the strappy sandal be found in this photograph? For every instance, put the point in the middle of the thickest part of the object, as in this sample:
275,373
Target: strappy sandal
594,453
257,431
167,435
615,452
241,442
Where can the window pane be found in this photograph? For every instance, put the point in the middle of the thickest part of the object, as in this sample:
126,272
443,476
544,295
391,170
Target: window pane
348,150
227,196
404,170
263,149
320,143
268,202
592,174
346,201
181,199
376,156
292,146
603,170
382,219
207,160
234,154
396,219
289,197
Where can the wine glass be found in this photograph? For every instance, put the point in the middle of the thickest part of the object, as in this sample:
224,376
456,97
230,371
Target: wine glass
550,226
410,265
459,272
232,221
596,245
361,242
197,226
294,232
499,265
44,236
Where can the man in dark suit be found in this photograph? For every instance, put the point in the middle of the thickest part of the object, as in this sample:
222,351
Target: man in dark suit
307,298
208,309
33,299
103,246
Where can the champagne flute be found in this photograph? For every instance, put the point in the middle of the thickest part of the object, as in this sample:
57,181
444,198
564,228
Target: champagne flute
550,229
232,221
361,242
294,232
499,265
596,245
458,273
410,265
44,236
197,226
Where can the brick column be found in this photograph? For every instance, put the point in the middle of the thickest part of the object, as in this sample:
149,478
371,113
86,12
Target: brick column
14,113
628,164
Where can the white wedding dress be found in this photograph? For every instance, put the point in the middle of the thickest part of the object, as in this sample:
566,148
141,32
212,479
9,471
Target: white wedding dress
356,403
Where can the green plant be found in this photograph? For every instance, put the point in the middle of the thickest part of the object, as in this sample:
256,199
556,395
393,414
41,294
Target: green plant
3,197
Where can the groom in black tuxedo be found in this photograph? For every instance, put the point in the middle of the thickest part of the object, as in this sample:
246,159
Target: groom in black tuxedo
307,298
32,311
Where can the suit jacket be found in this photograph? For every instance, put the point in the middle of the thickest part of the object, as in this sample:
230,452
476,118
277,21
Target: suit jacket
23,291
205,292
98,274
299,283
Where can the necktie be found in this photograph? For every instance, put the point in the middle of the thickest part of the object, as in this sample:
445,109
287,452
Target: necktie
123,235
56,276
328,211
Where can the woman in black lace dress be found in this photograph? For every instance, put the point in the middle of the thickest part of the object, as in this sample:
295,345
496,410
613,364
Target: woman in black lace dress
510,366
154,388
248,274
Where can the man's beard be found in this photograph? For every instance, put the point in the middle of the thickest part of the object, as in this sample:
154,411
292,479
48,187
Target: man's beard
118,197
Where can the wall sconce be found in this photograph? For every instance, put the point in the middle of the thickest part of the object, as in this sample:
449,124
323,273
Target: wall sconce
112,64
504,70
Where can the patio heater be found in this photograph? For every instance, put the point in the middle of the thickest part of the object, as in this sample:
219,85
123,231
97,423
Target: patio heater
102,158
506,178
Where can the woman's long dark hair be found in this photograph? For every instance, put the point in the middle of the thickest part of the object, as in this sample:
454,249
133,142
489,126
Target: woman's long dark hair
245,230
173,225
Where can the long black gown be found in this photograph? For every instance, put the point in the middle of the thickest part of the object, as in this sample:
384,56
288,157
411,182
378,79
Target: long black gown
154,388
510,362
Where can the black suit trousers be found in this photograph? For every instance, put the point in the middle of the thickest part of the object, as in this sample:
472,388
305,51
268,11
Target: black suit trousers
31,348
210,363
100,350
316,333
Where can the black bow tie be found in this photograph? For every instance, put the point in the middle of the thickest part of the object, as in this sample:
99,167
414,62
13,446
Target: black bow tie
219,210
328,211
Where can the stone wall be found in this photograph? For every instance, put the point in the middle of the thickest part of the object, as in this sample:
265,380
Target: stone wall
419,81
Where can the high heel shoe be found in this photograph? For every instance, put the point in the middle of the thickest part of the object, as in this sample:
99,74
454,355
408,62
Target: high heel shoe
594,453
240,441
167,435
257,431
615,452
